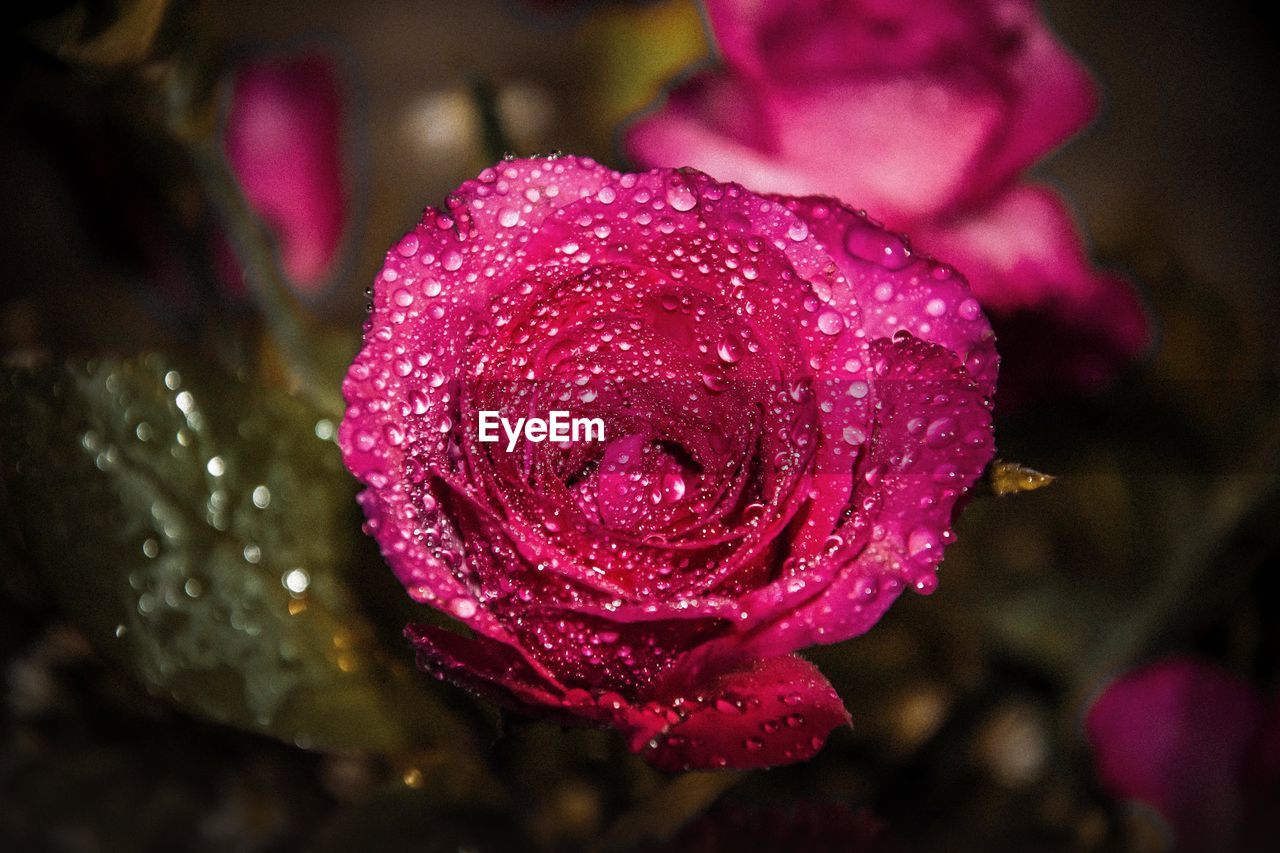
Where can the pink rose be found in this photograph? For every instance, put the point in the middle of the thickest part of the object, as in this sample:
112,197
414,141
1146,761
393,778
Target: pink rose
1189,739
791,412
926,114
283,140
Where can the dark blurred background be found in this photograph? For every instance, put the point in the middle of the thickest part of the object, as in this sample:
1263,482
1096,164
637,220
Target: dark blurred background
1158,538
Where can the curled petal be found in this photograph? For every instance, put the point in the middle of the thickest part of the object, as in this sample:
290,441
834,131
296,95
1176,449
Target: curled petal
775,711
486,667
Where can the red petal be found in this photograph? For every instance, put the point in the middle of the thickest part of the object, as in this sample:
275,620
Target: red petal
776,711
489,668
1059,318
1176,736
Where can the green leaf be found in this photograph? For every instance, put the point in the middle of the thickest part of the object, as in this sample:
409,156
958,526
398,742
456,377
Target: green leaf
203,532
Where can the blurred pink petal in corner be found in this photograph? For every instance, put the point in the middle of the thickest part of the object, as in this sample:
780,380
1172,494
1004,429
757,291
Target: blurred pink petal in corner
283,140
927,114
1189,739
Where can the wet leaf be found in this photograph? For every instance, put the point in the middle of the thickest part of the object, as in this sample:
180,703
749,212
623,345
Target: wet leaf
126,39
203,532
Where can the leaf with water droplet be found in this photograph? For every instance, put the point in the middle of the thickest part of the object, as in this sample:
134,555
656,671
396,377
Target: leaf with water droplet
1009,478
202,532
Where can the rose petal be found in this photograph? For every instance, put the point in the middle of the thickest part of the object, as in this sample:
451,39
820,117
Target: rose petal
897,289
932,441
1051,97
486,667
902,148
1176,735
283,140
1061,320
775,711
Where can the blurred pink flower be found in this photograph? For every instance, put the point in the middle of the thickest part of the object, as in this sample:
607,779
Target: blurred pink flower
283,140
1189,739
926,114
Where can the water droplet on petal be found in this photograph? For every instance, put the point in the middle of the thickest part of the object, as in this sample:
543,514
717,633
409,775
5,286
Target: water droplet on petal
941,432
680,197
408,247
830,322
729,351
463,608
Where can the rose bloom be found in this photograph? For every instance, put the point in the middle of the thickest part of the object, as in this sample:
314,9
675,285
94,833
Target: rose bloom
789,427
925,114
1193,741
283,141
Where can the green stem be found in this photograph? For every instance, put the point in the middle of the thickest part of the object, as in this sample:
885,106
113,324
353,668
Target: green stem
493,134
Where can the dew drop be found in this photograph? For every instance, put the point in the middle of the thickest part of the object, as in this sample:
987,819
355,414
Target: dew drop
729,351
830,323
296,581
680,197
941,432
408,247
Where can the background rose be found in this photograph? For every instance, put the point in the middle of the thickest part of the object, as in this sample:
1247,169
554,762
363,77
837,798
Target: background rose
792,409
1193,741
283,137
926,114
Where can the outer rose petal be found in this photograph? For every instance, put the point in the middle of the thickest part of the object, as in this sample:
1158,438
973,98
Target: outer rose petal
1052,97
283,140
714,121
996,53
1056,313
774,711
902,148
1176,735
899,290
486,667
